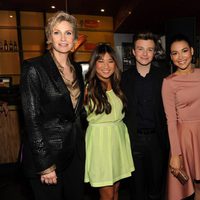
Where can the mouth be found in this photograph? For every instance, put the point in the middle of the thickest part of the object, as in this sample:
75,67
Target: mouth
106,72
145,59
63,44
182,62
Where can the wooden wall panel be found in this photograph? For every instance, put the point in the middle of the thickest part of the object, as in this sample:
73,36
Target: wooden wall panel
9,137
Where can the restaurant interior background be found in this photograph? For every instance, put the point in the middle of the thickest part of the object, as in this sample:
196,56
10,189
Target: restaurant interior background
99,21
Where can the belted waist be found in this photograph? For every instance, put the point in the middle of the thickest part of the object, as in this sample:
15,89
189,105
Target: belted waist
107,123
146,131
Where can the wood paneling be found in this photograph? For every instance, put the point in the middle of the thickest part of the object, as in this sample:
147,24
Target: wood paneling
9,136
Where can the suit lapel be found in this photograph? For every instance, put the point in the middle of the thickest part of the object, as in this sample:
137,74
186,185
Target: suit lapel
55,76
81,86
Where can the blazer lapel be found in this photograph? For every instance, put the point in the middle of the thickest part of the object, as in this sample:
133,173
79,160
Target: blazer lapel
79,77
55,76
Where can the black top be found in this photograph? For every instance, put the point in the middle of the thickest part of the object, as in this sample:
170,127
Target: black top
144,98
130,86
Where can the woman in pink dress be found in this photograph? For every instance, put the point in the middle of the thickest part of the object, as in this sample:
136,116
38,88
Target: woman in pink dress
181,97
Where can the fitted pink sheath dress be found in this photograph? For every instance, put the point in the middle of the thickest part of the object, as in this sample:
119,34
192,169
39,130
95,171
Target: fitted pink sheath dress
181,98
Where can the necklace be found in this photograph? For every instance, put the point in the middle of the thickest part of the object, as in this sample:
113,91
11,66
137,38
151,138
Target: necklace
67,72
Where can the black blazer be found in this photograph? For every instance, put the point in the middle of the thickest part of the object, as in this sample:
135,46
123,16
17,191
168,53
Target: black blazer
53,126
128,87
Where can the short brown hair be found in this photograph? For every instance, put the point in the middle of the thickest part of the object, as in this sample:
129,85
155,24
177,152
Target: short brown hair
145,36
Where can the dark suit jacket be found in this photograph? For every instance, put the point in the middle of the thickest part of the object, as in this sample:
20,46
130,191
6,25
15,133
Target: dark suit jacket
53,126
128,87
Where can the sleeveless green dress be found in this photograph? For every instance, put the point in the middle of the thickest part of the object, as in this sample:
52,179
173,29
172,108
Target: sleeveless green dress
108,150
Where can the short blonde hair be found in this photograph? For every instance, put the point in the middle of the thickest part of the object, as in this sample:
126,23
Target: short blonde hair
57,18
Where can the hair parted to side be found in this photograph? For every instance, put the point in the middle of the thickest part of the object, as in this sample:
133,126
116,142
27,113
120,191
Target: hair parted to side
146,35
57,18
96,98
180,37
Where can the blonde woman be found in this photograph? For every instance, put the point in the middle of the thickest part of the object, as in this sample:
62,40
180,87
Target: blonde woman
52,91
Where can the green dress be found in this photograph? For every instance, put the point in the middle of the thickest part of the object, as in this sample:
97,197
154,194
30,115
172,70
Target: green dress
108,150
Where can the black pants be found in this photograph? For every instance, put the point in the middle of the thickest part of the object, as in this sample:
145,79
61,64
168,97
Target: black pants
147,180
70,184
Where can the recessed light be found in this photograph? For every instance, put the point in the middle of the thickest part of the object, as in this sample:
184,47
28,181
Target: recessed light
102,10
53,7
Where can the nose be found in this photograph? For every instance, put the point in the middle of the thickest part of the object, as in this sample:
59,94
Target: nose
63,38
106,64
180,55
144,52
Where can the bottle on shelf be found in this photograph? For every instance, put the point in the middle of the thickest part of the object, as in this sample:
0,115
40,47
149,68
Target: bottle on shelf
1,46
5,45
10,46
15,46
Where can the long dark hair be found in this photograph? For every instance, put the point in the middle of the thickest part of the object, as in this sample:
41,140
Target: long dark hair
95,96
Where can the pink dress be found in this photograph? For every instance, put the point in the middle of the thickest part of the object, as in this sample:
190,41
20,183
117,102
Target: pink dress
181,98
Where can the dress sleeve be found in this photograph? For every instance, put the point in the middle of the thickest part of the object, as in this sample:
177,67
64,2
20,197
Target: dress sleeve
169,101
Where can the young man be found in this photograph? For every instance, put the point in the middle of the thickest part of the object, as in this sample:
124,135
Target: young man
145,119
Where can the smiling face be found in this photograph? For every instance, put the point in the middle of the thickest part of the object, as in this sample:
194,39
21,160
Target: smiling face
62,37
181,55
105,67
144,52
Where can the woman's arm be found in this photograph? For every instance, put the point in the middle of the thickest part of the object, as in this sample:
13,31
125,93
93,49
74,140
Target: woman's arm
31,91
169,101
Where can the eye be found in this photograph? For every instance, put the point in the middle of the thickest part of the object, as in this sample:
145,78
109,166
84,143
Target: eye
173,53
55,32
111,61
139,49
185,50
68,33
100,60
151,50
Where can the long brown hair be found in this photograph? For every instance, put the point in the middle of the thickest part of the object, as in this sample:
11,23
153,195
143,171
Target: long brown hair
95,96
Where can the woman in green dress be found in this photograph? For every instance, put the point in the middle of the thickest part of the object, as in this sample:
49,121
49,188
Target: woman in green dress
108,151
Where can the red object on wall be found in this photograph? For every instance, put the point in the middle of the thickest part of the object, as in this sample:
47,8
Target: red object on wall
89,23
80,41
89,46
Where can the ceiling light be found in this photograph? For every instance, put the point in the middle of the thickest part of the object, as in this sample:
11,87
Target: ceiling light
53,7
11,16
102,10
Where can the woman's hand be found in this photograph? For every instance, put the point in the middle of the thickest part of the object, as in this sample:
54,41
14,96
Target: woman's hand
49,178
176,164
